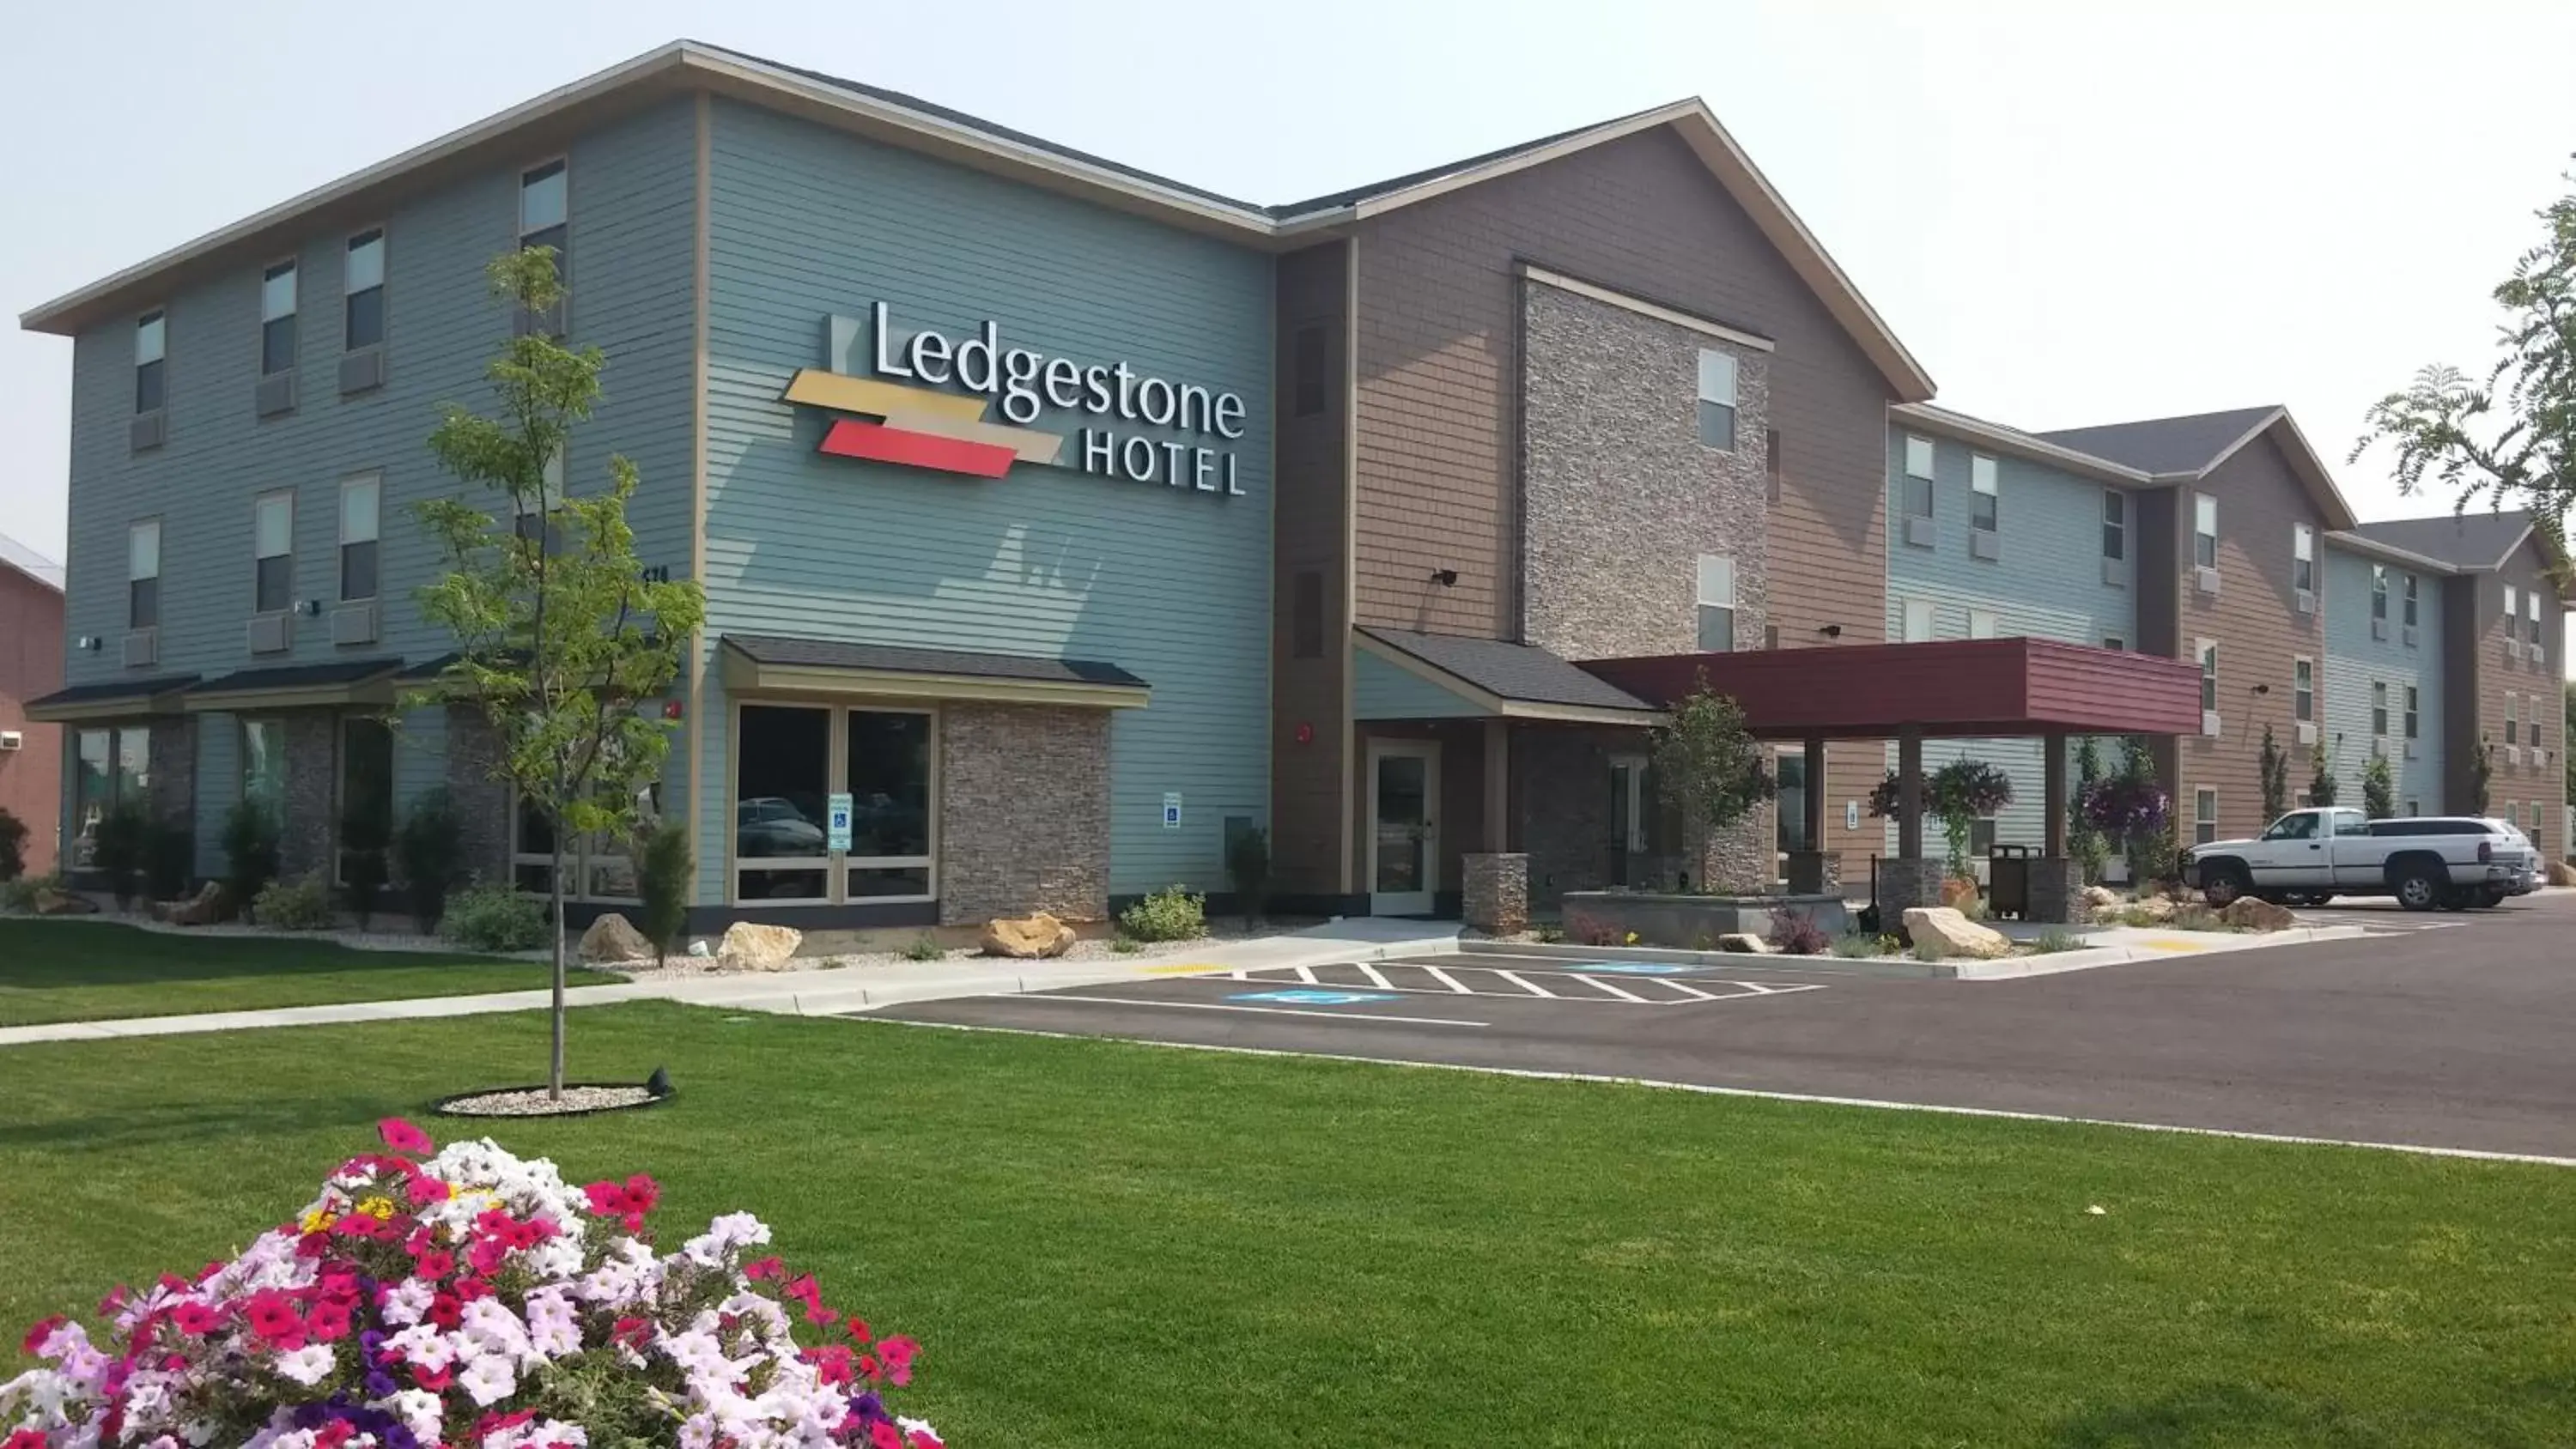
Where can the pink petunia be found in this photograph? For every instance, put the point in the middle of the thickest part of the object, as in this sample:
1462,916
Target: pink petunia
435,1264
898,1352
858,1328
426,1189
401,1136
195,1319
926,1439
327,1320
764,1268
882,1434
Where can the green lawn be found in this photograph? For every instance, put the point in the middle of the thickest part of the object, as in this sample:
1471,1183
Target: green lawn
89,971
1106,1245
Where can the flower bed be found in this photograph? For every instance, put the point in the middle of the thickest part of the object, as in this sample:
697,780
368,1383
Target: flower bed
465,1299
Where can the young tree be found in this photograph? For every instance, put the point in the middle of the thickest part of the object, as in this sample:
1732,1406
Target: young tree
2322,788
2083,840
562,639
2510,439
2274,766
2481,776
2133,809
2378,789
1708,766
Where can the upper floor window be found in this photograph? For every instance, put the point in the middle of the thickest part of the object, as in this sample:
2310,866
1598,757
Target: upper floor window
2209,674
273,545
2379,592
2378,707
2115,524
1984,492
2512,718
1717,398
2531,616
362,285
148,340
143,574
2303,690
1308,379
2410,601
2204,530
2413,718
1918,621
1918,477
2512,609
1981,623
359,500
2303,560
545,213
1716,601
277,319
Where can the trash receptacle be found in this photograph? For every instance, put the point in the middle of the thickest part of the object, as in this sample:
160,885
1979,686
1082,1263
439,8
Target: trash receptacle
2008,880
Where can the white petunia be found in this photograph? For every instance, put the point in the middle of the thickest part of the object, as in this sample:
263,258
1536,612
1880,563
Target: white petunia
407,1302
422,1412
488,1380
308,1365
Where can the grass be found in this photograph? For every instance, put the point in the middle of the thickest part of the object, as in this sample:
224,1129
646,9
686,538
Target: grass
93,971
1109,1245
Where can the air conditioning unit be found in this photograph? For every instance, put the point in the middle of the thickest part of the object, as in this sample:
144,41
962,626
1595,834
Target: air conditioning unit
2410,749
270,633
2379,747
2205,579
2209,723
354,623
2410,636
2307,601
2379,628
11,740
2513,755
2307,732
142,648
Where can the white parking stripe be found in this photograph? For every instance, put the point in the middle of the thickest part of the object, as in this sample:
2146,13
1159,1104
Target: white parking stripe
1307,975
1445,979
1623,993
1514,977
1376,978
1222,1006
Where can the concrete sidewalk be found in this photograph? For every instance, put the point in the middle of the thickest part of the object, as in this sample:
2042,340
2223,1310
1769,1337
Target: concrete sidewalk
819,992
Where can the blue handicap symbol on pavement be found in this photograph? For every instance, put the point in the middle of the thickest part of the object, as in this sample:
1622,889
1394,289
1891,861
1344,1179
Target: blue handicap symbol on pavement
1632,968
1312,997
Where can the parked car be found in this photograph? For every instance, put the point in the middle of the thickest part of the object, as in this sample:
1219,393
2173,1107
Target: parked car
773,826
2307,857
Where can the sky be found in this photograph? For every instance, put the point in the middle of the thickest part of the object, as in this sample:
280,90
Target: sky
2071,213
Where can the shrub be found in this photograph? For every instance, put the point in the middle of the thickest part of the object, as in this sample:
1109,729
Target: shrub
1859,945
297,905
495,918
2198,918
924,948
1930,948
662,867
124,838
1170,914
429,855
1247,863
1547,933
19,896
13,847
366,832
1796,935
250,851
1126,945
2378,788
2051,942
170,859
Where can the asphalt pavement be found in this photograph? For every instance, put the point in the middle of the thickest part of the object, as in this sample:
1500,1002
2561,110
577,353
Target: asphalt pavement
2443,1030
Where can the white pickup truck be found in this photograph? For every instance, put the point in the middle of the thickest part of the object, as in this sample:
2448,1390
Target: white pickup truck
2309,856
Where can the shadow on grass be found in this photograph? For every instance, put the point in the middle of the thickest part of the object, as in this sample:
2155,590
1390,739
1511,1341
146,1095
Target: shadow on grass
40,954
2207,1416
139,1126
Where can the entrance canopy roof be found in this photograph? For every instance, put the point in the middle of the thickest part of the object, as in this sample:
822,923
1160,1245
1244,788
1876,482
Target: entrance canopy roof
1965,687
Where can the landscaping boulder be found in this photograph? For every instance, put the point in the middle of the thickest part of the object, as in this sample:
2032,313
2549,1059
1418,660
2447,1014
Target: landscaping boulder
51,902
750,947
1744,942
2246,913
1958,892
1955,933
205,908
2101,898
2155,908
1027,937
612,938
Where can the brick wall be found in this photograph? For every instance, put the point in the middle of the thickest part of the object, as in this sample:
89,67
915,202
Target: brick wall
480,799
31,666
1023,812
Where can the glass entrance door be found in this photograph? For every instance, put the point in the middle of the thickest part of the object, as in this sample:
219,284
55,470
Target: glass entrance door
1404,838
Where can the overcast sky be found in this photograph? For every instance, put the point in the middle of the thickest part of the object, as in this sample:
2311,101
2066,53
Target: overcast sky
2071,213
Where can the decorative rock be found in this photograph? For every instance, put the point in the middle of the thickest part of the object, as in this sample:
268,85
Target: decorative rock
1027,937
1957,891
750,947
1957,935
1744,942
51,902
2156,908
2247,913
205,908
612,938
2101,898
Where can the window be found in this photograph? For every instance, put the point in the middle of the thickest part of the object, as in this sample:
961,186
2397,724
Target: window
2379,708
1716,601
1981,623
2411,715
359,500
277,319
550,487
263,765
149,332
1918,621
2204,530
1918,477
1789,770
2303,690
2303,566
143,574
888,779
2204,816
1981,836
1309,379
2509,610
786,768
1771,465
2208,674
364,801
596,867
2414,807
114,768
2531,616
544,216
1984,493
362,288
2115,525
2512,719
2379,592
1717,398
273,543
2410,601
2114,641
2293,827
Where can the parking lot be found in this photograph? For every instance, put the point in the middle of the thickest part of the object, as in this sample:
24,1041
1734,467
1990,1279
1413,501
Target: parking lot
2442,1030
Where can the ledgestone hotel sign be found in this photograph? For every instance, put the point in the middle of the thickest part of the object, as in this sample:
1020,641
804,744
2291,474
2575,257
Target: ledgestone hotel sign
931,395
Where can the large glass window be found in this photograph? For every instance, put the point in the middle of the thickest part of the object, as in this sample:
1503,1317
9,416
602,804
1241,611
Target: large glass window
1791,773
888,780
359,499
112,767
2204,530
1984,493
781,788
277,319
150,336
362,286
366,783
596,867
1717,398
273,541
143,574
1716,602
263,765
2115,524
789,763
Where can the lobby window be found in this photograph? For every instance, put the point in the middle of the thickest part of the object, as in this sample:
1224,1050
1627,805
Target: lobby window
362,289
2115,525
273,546
596,867
2412,718
2410,601
2208,674
1981,623
1309,362
1918,477
277,319
2379,593
143,574
359,501
112,767
789,761
1716,601
1306,615
2303,564
363,799
545,214
1717,398
2204,530
1789,769
2204,816
887,776
150,335
263,766
2303,690
1985,494
2379,708
1918,621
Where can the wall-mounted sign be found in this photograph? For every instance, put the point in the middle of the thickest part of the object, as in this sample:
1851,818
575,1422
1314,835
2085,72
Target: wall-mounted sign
1172,810
836,817
1851,815
1151,429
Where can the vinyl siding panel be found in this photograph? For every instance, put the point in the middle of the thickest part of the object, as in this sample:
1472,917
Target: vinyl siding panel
2354,660
1384,691
2496,675
1052,562
1312,523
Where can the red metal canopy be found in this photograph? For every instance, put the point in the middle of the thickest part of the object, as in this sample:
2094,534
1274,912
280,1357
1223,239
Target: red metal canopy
1963,687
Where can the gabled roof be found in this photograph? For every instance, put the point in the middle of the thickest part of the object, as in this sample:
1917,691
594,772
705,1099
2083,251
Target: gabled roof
2464,540
898,119
2189,448
34,565
2005,438
1509,680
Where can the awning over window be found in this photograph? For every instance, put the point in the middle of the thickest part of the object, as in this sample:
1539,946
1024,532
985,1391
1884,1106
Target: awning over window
1492,677
339,684
111,699
769,664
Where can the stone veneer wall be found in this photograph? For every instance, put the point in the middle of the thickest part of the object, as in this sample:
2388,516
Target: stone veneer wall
1621,495
481,801
312,754
1023,812
1561,789
171,756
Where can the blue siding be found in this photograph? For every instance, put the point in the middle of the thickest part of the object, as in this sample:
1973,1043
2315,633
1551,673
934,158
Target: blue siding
1172,585
2354,660
1380,690
632,191
2048,585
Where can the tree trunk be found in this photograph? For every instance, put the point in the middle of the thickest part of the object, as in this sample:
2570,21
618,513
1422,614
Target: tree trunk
555,1056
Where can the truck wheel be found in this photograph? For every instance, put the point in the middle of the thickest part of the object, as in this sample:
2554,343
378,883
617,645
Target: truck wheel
2420,890
2494,896
2222,882
2458,899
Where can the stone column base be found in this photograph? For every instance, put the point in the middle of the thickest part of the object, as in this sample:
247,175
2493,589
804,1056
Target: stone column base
2056,890
1815,872
1904,884
1497,893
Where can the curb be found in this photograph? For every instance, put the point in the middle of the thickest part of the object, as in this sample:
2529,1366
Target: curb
2017,967
1734,960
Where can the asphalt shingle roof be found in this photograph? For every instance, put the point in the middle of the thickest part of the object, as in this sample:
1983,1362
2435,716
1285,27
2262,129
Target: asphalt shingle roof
29,562
1523,673
2464,540
299,676
2164,445
888,658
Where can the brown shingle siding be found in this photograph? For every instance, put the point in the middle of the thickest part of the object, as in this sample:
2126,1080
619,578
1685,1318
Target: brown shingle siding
1310,534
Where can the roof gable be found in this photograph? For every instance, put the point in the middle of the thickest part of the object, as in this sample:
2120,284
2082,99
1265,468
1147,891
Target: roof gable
2464,540
2188,449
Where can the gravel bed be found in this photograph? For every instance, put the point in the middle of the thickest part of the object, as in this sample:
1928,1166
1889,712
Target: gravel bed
1099,950
374,940
533,1102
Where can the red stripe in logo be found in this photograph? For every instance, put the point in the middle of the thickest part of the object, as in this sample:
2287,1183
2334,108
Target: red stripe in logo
853,439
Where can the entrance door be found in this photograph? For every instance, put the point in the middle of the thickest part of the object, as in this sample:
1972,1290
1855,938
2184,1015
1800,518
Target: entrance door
1627,815
1404,838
